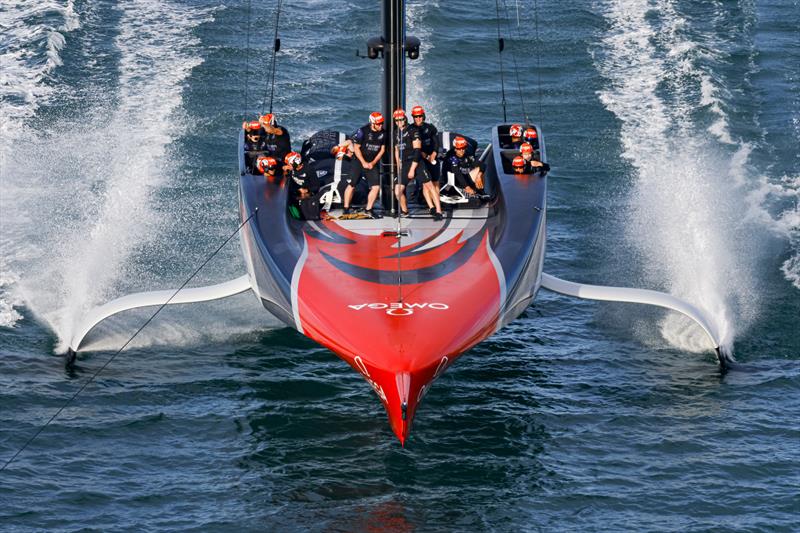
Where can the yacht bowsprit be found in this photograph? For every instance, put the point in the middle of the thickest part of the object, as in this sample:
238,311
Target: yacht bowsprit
398,298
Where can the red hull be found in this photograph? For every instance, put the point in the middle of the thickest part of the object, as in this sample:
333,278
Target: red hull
400,337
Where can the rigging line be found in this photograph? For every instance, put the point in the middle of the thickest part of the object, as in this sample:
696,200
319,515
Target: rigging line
538,59
146,323
516,67
247,63
500,46
396,208
275,47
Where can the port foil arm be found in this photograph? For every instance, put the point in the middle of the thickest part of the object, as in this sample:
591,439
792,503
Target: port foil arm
146,299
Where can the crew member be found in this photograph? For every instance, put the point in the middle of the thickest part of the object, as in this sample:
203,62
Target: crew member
350,184
531,137
468,170
303,182
407,156
253,144
276,140
369,145
267,166
428,134
515,131
519,165
532,162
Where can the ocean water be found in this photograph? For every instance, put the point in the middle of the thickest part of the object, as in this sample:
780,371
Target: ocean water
673,130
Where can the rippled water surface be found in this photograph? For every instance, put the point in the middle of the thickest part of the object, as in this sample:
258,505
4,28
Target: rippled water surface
673,130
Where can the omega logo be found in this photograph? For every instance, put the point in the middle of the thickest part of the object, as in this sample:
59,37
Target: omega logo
400,308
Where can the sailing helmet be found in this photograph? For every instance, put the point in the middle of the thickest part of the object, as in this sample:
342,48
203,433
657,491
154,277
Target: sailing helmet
342,151
417,111
266,163
530,133
518,163
268,119
526,148
252,125
294,159
515,130
376,118
459,143
399,114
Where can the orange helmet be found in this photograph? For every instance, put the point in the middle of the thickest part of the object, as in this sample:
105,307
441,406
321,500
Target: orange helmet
266,163
459,143
399,114
417,111
268,119
518,163
530,133
526,148
376,118
294,159
252,125
342,151
515,130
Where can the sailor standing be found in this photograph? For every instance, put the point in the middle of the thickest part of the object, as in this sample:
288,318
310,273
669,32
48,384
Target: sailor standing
369,145
408,157
429,152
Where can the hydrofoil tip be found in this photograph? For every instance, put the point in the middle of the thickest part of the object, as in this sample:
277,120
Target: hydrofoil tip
725,358
69,357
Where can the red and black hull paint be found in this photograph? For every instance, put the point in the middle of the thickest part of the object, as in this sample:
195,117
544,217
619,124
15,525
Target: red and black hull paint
400,311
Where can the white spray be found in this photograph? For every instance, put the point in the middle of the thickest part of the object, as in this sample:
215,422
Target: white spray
693,209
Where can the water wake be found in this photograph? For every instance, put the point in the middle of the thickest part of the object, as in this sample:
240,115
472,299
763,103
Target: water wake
81,194
31,38
696,209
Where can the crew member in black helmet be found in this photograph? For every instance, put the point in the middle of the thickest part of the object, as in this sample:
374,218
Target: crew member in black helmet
369,145
275,138
408,159
468,170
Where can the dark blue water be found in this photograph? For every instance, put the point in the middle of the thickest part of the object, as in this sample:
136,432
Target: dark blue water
673,130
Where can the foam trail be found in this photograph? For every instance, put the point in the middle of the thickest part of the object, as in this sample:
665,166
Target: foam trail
24,31
418,85
692,211
86,221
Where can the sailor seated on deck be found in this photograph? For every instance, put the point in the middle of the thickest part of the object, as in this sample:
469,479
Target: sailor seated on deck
303,188
253,144
532,162
275,138
522,167
267,166
467,169
531,137
515,132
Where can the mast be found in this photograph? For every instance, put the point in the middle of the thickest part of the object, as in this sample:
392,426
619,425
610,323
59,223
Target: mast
393,46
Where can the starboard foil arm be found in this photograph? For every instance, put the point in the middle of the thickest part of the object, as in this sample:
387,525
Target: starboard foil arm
146,299
641,296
